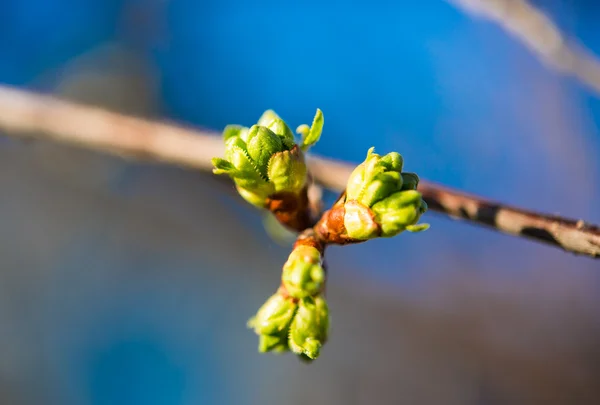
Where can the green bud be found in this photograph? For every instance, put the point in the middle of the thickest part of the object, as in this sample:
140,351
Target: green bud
238,164
234,143
262,144
258,195
303,273
272,121
273,343
375,169
399,211
410,181
392,162
399,200
274,316
310,327
267,117
233,131
381,200
246,174
251,185
287,171
381,186
359,221
264,159
280,128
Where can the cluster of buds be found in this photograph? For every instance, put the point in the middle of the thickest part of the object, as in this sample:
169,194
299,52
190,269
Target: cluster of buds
380,201
268,167
296,317
269,171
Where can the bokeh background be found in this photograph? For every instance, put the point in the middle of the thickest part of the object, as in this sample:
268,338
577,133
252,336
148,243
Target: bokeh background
129,283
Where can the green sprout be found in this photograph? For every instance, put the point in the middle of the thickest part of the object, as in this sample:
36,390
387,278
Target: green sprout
295,318
381,200
272,322
310,327
264,160
303,273
274,316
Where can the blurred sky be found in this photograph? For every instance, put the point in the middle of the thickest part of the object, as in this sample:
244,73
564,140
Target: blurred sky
466,104
451,93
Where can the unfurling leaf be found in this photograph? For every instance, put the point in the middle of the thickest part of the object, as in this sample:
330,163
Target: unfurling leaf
310,137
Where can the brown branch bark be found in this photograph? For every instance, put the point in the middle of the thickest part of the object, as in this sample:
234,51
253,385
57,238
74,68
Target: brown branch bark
25,115
571,235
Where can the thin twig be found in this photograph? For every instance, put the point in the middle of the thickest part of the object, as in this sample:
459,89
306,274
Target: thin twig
24,115
570,235
536,31
29,115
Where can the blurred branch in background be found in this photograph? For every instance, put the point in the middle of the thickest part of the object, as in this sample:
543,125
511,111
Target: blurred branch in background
536,31
24,114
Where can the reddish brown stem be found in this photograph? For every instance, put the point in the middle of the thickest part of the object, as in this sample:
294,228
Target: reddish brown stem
331,228
310,238
292,210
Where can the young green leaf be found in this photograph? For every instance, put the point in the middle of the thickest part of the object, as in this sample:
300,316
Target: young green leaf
314,133
222,166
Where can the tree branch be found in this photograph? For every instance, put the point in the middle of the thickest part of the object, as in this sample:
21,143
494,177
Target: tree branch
28,115
536,31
